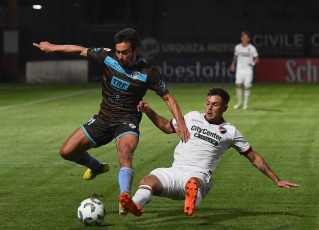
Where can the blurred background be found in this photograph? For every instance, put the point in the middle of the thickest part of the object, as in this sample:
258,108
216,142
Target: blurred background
188,40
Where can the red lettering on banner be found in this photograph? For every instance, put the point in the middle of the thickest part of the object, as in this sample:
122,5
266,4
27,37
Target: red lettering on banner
295,70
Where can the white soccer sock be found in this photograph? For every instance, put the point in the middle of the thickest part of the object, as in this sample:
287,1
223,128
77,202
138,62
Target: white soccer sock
198,198
239,95
143,195
247,94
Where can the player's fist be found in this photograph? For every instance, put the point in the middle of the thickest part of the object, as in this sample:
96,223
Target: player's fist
44,46
143,107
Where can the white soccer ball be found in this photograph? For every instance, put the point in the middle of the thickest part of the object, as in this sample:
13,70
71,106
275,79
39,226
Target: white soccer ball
91,212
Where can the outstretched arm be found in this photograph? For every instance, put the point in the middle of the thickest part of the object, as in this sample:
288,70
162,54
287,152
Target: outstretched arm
262,165
175,110
70,49
160,122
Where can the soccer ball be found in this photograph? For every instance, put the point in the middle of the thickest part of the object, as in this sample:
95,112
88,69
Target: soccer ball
91,212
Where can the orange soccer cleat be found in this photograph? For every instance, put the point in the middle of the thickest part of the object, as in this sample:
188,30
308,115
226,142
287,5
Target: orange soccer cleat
128,204
190,199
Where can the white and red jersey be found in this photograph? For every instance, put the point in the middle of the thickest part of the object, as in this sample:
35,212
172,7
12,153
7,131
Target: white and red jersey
245,56
207,143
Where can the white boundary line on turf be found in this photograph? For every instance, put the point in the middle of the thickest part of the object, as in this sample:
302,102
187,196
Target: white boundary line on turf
46,99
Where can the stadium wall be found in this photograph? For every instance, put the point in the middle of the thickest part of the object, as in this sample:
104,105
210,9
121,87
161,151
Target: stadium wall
57,71
289,70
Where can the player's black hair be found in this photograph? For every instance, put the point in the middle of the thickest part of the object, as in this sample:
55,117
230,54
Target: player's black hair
219,92
247,33
128,35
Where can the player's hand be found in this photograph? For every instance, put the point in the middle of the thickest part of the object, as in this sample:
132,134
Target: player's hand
143,107
44,46
286,184
232,67
182,129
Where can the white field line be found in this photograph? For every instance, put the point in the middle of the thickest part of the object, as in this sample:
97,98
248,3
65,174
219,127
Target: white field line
46,100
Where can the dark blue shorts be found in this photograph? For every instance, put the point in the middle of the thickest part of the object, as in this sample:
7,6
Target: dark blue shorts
102,130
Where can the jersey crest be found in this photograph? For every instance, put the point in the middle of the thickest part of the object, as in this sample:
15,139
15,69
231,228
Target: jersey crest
222,130
135,75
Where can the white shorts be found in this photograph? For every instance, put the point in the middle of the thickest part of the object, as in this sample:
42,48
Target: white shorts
245,78
174,180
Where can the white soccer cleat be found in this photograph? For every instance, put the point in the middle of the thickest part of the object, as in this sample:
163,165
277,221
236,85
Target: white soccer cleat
237,106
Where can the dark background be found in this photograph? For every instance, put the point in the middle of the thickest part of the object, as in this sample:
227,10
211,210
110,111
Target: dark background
92,23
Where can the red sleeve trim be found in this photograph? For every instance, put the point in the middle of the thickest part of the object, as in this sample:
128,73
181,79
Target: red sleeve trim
247,151
171,123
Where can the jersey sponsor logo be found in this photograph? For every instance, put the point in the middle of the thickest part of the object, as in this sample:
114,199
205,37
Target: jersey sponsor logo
197,120
98,49
206,138
120,84
132,126
115,99
162,85
244,54
206,132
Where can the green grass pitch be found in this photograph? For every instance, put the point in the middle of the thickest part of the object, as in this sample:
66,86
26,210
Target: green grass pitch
40,190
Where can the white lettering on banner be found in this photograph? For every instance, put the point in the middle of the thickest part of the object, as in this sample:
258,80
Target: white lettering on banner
220,48
279,40
301,73
183,48
315,39
217,70
197,48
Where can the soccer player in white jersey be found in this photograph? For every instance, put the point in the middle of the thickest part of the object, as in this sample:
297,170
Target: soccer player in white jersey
189,177
246,57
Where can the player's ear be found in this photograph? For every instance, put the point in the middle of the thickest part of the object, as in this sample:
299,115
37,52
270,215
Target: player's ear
225,108
136,51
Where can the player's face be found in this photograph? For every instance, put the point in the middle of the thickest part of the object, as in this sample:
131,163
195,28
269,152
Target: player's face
125,54
245,39
215,108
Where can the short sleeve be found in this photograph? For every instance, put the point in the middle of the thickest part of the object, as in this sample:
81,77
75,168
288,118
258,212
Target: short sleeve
236,51
255,53
98,54
156,83
240,144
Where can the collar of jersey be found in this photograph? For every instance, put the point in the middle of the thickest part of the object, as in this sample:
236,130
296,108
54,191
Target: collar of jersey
128,72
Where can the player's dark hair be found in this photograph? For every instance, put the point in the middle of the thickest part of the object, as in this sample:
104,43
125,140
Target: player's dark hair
246,33
220,92
128,35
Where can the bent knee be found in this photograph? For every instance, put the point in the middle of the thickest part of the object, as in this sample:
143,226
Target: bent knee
65,154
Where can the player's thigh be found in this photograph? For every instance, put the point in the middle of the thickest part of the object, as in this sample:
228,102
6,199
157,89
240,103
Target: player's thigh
248,81
239,78
154,183
171,179
76,144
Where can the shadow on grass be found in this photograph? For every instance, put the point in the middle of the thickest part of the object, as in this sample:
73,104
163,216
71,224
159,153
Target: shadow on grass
174,218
